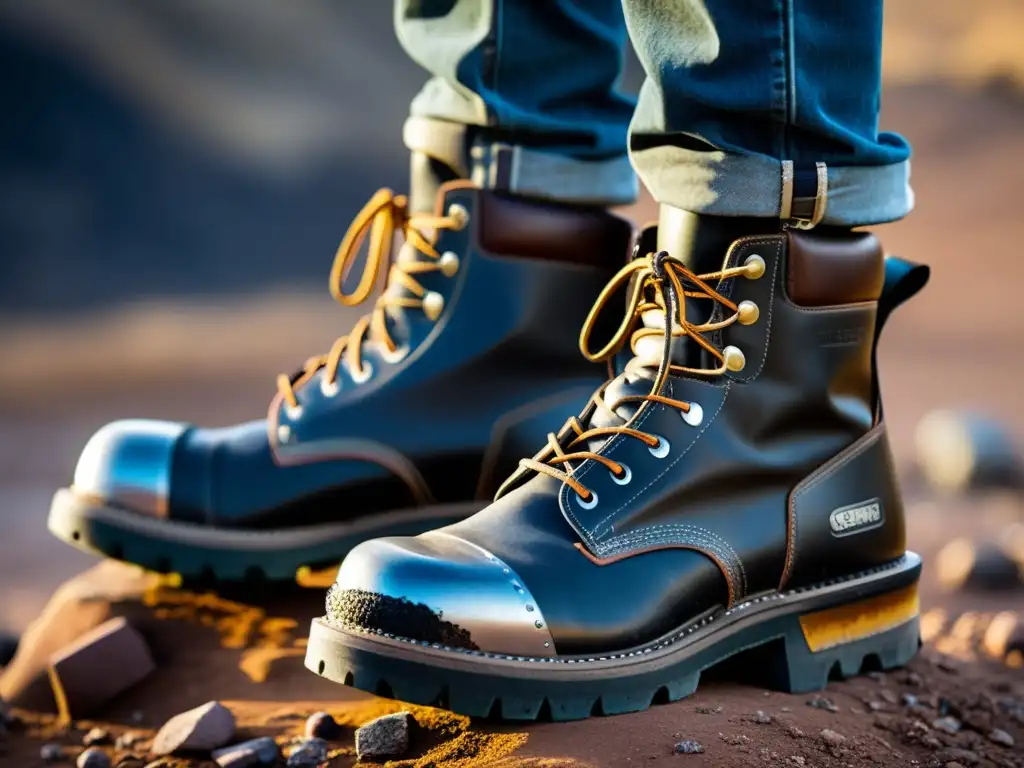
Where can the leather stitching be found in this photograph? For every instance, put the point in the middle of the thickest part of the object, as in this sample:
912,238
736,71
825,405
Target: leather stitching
771,307
826,470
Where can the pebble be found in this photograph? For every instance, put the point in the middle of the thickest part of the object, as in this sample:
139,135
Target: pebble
962,756
889,696
308,754
795,732
689,747
127,740
913,680
832,738
786,709
709,710
820,702
947,724
387,736
93,758
761,718
797,760
96,736
1001,737
255,752
876,706
321,725
51,753
201,729
908,700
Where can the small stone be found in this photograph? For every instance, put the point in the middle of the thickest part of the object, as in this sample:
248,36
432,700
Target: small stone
832,738
127,740
795,732
797,760
1001,737
308,754
913,680
978,721
689,747
761,718
93,758
962,756
387,736
96,736
201,729
709,710
876,706
820,702
51,753
888,696
878,677
255,752
786,709
947,724
908,700
322,726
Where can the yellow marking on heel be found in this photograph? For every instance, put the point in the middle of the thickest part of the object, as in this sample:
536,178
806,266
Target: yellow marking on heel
854,621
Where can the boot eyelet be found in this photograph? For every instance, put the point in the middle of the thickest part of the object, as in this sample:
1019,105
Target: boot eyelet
587,503
754,266
624,478
734,358
284,433
694,416
660,450
747,313
396,356
433,305
293,413
449,263
329,388
359,377
459,214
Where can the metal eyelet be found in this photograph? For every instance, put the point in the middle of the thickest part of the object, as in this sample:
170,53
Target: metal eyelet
694,416
449,263
329,388
747,313
394,356
585,504
284,433
755,266
358,377
460,214
293,413
433,305
660,450
734,358
624,478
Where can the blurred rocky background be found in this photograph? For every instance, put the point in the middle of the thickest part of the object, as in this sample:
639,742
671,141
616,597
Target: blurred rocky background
175,177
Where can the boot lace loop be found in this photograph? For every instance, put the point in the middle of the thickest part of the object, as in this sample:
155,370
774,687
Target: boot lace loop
382,216
658,283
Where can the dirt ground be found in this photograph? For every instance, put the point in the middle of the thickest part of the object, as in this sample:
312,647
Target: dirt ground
953,346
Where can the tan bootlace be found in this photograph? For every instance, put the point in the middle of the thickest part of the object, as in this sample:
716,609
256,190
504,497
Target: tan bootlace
650,275
380,218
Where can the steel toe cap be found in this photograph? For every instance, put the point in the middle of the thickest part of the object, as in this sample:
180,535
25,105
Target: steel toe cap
128,464
438,588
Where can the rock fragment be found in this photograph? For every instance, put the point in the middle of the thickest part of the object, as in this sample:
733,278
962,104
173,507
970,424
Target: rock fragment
201,729
308,754
387,736
689,747
255,752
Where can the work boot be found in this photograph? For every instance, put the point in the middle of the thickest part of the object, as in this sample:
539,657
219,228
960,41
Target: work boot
408,423
731,489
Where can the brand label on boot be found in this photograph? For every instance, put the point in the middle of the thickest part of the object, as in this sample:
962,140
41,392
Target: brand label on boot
862,516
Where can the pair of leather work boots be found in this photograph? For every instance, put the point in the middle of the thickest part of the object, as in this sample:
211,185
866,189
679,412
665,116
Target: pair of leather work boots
729,487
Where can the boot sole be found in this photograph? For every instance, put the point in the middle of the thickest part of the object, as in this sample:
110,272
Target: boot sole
205,554
793,641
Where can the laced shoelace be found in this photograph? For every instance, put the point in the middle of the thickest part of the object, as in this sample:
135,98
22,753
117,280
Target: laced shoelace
666,279
384,214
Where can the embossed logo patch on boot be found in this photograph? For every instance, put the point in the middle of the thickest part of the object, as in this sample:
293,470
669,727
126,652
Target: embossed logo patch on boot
856,518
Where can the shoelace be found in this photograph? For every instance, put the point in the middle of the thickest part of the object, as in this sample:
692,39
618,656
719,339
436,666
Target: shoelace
380,218
664,277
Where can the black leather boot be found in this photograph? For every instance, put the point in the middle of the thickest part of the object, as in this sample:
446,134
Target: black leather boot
732,492
407,423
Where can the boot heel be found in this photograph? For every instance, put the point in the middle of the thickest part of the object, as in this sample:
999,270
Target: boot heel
879,632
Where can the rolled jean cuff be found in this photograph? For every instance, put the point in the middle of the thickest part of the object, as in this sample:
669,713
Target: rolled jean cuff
524,171
721,184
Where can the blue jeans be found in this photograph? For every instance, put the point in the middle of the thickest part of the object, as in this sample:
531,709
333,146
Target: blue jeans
750,108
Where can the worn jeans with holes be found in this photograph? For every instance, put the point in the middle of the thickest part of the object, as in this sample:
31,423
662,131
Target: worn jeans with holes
740,96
